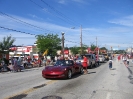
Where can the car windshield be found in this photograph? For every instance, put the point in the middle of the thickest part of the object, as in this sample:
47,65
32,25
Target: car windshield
100,56
80,58
64,63
88,56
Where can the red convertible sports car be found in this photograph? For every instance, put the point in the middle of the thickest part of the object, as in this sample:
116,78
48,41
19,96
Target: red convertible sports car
62,69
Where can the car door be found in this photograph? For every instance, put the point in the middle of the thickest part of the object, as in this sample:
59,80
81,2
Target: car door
72,65
76,67
89,59
93,59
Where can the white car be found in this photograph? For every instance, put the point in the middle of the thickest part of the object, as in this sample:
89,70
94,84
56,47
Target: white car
101,58
91,60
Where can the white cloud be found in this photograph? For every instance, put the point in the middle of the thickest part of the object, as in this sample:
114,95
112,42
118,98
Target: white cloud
125,21
72,36
74,1
62,1
79,1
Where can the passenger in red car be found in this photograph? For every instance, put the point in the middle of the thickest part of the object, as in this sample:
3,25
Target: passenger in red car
85,64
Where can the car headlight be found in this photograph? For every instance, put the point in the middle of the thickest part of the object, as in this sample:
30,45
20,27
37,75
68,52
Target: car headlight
64,69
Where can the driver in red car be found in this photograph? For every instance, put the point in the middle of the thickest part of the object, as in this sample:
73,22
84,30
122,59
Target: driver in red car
85,64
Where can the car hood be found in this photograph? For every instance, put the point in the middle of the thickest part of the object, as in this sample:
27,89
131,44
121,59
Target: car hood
79,60
55,68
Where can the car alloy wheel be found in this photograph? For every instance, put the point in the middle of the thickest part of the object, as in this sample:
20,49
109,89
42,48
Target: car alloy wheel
81,70
69,74
91,66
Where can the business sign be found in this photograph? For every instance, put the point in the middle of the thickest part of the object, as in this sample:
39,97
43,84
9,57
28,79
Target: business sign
66,51
22,49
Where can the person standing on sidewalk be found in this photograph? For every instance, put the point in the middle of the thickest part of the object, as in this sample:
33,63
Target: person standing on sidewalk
15,66
119,58
127,62
125,59
85,64
110,63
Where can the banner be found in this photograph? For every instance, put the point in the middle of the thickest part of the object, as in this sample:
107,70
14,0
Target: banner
46,52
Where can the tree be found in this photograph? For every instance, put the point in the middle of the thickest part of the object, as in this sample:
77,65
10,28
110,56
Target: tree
84,48
92,47
103,48
75,50
6,44
49,42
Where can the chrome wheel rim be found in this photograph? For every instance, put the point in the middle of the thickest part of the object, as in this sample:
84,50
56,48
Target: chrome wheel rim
69,74
81,70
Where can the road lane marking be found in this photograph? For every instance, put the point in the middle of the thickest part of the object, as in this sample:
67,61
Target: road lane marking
50,82
108,95
30,90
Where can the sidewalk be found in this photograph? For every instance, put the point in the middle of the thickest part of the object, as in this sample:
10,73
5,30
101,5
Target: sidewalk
130,69
24,70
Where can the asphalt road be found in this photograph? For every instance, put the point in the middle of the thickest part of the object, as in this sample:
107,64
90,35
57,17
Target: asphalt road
99,83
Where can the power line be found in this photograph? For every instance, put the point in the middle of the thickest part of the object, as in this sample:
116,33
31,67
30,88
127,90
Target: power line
61,17
22,21
72,41
16,30
30,33
61,14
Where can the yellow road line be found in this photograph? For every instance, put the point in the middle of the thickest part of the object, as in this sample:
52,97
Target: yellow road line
50,82
30,90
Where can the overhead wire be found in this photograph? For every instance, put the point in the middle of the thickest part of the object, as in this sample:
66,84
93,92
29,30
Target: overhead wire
26,32
16,30
16,19
63,16
72,41
58,12
52,13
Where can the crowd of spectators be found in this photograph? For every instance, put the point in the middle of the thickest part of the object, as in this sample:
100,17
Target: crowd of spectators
16,64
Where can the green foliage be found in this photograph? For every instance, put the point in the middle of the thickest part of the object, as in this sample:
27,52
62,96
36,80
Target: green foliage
75,50
6,43
92,47
103,48
48,41
119,51
84,48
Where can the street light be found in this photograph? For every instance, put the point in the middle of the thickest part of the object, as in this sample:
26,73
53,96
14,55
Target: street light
80,38
63,44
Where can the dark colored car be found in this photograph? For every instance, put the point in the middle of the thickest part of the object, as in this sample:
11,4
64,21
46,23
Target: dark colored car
62,69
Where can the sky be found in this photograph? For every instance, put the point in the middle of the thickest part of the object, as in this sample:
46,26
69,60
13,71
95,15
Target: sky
105,23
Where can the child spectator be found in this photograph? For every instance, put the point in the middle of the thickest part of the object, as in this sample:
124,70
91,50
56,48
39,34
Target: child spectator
110,63
127,62
10,66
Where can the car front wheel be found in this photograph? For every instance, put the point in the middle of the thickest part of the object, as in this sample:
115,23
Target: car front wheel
69,75
81,70
90,66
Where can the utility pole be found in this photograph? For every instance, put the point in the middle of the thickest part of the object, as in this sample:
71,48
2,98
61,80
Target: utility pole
111,51
97,51
81,39
96,41
63,44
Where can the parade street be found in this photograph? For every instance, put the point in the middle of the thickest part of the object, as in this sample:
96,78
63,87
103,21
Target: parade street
99,83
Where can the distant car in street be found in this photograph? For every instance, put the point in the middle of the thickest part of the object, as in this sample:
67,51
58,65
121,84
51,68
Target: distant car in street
91,60
62,69
101,58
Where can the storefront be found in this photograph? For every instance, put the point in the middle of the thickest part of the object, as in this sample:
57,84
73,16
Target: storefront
23,51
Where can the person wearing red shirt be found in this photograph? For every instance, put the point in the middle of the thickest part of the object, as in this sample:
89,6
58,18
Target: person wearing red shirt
39,62
85,64
119,58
